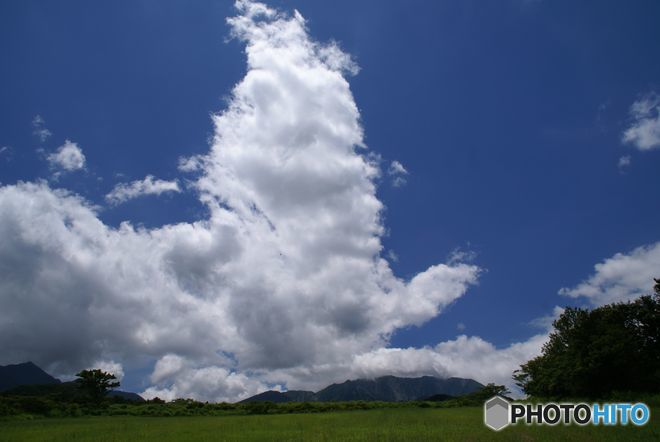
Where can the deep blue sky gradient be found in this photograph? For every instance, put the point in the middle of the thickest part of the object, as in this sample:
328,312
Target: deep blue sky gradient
508,116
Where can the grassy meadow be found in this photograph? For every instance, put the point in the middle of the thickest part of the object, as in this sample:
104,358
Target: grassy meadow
404,424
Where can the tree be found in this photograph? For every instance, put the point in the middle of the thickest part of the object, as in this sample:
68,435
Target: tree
593,353
96,383
490,390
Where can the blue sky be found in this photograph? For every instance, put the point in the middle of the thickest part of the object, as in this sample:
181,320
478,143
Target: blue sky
509,118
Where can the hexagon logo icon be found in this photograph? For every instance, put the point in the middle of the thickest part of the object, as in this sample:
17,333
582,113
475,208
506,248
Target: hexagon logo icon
496,413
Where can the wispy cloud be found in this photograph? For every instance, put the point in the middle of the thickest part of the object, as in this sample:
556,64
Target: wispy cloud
392,256
39,129
644,131
148,186
190,164
624,163
460,254
397,173
545,322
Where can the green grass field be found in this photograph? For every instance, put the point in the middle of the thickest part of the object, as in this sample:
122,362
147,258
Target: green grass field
460,424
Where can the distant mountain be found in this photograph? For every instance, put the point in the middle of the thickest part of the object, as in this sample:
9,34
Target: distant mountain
285,396
394,389
65,391
386,388
27,379
26,373
126,395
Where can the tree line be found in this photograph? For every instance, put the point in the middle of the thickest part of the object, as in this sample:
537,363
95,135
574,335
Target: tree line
599,353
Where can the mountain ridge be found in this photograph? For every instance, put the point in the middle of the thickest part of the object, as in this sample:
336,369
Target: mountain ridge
27,378
383,388
25,373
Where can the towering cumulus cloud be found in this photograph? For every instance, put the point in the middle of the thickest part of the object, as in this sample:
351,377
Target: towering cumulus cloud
283,283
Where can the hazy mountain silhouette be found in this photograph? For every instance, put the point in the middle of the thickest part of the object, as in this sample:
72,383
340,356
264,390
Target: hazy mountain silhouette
126,395
385,388
27,373
285,396
27,379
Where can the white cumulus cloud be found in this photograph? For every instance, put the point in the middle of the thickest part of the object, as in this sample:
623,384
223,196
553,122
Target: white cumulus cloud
67,158
111,367
644,132
465,356
209,383
283,282
148,186
622,277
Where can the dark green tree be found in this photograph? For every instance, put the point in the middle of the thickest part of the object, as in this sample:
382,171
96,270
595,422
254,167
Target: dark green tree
96,383
593,353
491,390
